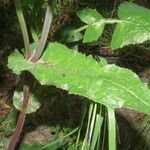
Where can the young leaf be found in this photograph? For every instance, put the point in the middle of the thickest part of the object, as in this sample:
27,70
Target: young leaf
33,105
89,16
134,27
95,24
110,85
93,31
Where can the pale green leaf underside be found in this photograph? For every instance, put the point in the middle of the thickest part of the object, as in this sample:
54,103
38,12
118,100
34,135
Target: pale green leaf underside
134,27
69,70
33,104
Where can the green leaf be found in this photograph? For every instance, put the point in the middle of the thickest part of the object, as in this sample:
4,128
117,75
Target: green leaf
134,27
3,143
93,31
96,132
10,123
110,85
111,129
33,104
55,129
95,23
89,16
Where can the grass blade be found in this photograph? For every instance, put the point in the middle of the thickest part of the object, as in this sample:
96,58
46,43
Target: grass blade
111,129
96,133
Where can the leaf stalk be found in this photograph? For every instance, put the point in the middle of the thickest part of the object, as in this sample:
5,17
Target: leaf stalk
23,27
44,36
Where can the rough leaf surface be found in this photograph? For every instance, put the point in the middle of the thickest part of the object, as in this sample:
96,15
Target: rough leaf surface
72,71
134,27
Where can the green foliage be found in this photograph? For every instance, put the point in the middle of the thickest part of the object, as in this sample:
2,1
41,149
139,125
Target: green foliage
89,16
110,85
68,35
94,127
55,129
96,132
132,28
36,15
33,105
93,32
95,24
111,129
69,70
10,123
54,145
3,143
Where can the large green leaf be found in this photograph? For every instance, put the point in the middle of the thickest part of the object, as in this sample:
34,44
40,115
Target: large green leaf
72,71
134,27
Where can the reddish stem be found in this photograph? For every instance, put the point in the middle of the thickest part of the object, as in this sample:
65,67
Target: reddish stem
44,36
22,116
21,120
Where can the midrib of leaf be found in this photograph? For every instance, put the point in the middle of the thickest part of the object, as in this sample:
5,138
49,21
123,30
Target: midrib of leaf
131,93
93,76
66,71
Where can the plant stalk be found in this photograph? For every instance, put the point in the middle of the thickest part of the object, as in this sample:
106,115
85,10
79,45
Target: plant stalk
21,120
75,31
23,27
84,145
44,36
112,21
45,31
22,115
81,126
